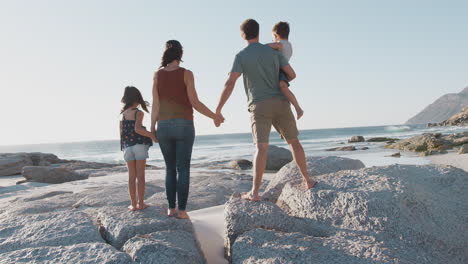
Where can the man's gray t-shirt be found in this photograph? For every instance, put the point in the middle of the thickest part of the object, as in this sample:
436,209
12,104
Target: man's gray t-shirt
260,66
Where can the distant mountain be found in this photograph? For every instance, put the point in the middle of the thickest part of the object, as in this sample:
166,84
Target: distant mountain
442,109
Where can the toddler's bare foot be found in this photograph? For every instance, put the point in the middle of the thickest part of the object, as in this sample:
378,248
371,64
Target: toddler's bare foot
249,196
171,212
299,113
132,207
142,206
183,215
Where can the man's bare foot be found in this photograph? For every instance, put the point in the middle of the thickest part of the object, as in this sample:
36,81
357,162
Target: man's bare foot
171,212
142,206
310,184
132,207
299,113
249,196
183,215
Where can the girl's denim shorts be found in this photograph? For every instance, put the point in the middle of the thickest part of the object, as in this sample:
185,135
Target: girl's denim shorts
136,152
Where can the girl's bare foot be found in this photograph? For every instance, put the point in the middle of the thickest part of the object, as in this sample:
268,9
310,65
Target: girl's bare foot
132,207
142,206
183,215
171,212
299,113
310,184
249,196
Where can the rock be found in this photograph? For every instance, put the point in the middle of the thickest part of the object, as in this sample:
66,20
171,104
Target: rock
241,164
85,253
165,247
315,166
355,139
267,246
396,155
43,159
242,216
459,119
118,224
13,163
413,214
277,157
346,148
463,149
381,139
420,143
50,174
364,148
442,109
52,229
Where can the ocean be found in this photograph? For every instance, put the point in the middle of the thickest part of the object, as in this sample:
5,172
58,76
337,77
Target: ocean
209,149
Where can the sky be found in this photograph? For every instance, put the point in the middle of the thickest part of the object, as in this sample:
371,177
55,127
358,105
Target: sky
64,64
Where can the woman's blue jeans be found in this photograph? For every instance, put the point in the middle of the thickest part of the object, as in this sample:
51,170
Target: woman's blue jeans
176,137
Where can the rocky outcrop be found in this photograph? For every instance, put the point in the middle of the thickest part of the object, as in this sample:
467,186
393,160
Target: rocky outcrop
355,139
428,143
463,149
241,164
460,119
381,139
442,109
390,214
84,253
13,163
346,148
165,247
277,157
50,174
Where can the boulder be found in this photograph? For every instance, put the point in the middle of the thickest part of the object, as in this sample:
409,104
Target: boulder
52,229
164,247
364,148
43,159
381,139
50,174
13,163
315,166
241,164
277,157
345,148
84,253
421,143
268,246
118,224
416,214
463,149
355,139
395,155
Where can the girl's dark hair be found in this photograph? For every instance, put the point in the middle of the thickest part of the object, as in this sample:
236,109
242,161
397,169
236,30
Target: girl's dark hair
174,51
131,96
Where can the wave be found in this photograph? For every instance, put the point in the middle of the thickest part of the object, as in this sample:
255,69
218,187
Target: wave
397,128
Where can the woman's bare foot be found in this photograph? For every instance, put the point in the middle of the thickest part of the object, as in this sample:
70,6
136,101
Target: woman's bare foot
183,215
171,212
249,196
132,207
142,206
299,113
310,184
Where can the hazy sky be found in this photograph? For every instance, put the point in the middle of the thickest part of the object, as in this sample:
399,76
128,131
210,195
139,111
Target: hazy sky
64,64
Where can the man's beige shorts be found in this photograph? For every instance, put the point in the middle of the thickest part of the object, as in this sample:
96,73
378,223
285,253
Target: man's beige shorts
276,112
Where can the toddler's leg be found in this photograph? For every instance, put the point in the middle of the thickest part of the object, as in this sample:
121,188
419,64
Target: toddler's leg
131,165
285,90
141,184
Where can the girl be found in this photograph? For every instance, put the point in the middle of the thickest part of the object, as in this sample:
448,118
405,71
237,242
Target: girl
174,98
135,141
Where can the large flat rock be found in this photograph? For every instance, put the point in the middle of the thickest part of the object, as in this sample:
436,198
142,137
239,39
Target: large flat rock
13,163
84,253
165,247
47,174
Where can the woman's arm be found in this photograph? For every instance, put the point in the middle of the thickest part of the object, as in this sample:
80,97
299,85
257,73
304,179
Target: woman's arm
193,97
155,106
139,129
275,45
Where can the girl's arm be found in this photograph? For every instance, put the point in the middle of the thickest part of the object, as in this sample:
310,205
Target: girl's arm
275,45
139,129
193,97
155,107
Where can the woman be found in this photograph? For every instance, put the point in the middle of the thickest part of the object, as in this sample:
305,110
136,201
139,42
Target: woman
174,97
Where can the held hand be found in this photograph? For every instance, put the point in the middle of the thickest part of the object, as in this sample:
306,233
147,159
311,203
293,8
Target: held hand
154,138
219,118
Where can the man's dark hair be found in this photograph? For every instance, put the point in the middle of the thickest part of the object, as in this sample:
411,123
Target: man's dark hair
250,28
282,29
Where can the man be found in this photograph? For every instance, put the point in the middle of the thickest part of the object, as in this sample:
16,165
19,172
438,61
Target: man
260,66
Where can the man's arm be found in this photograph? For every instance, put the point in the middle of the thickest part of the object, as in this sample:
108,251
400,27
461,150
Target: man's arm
289,72
228,88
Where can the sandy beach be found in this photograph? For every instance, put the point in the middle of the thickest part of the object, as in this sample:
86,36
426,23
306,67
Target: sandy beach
452,159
